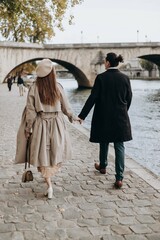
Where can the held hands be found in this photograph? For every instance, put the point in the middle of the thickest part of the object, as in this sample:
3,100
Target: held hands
76,120
79,120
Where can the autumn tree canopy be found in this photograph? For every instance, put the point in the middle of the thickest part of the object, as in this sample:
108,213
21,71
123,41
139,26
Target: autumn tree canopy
33,21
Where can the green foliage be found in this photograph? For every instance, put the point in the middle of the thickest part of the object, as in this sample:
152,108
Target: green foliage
33,21
147,65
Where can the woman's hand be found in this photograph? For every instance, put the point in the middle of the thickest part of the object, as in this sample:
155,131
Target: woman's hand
27,134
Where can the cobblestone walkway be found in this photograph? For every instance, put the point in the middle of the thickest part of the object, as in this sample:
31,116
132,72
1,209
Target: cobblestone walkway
85,205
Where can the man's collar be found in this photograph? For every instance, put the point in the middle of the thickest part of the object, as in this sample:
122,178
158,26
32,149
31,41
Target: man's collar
112,68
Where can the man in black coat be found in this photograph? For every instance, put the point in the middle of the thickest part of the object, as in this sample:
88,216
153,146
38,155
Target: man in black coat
111,97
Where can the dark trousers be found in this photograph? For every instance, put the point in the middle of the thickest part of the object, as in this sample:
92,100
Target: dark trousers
119,158
9,87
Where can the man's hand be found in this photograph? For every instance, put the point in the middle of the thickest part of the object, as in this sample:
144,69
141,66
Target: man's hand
80,120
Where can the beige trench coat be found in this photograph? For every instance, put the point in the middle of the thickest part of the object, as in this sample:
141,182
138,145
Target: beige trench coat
50,143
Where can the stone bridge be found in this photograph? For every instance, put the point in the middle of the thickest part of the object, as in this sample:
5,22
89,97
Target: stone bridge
84,61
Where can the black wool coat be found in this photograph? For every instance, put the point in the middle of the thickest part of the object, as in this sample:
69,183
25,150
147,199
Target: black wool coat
111,97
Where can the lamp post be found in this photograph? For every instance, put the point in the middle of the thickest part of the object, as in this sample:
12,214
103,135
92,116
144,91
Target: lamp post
81,36
137,35
97,39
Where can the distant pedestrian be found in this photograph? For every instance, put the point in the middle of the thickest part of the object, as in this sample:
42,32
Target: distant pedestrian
111,95
14,78
20,84
9,83
44,120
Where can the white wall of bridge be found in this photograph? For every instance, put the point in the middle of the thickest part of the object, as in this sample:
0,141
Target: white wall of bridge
80,55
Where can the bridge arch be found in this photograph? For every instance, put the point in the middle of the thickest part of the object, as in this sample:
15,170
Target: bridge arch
154,58
79,76
77,58
77,73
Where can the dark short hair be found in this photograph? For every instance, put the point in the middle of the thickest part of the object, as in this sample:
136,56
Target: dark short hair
113,59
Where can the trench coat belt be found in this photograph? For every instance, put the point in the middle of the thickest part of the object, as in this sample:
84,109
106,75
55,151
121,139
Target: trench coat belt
47,115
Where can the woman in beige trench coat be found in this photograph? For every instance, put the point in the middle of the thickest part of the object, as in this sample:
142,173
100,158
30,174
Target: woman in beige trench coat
43,121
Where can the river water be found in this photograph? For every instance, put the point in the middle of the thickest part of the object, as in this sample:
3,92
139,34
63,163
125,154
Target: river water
144,115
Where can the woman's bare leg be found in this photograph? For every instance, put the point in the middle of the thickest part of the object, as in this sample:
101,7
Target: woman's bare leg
49,190
48,181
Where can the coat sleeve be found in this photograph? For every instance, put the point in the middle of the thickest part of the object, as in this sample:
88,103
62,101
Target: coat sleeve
30,109
65,105
91,99
129,95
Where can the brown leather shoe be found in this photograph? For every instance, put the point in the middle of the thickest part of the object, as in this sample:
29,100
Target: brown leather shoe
118,184
101,170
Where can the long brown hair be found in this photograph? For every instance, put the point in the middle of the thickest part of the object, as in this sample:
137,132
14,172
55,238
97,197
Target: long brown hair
47,88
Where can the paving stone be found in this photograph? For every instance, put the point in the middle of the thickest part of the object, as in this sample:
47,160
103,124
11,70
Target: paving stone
112,237
63,223
88,187
107,213
127,196
36,203
71,213
153,236
25,226
58,234
87,223
155,227
120,230
135,237
127,204
72,199
17,236
8,227
91,214
85,205
33,217
140,228
89,238
126,211
104,205
127,220
15,218
99,231
6,210
41,226
105,221
25,209
77,233
144,210
143,202
52,216
145,219
6,236
34,235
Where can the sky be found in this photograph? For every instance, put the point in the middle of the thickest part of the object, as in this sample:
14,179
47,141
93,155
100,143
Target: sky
108,21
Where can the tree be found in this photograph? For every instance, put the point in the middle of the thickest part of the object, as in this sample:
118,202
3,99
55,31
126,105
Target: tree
147,65
33,21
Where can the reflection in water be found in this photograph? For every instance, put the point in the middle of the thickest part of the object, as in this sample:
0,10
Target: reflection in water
144,115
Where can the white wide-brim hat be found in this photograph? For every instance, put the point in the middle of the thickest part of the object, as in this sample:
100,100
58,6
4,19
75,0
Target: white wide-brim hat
44,68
